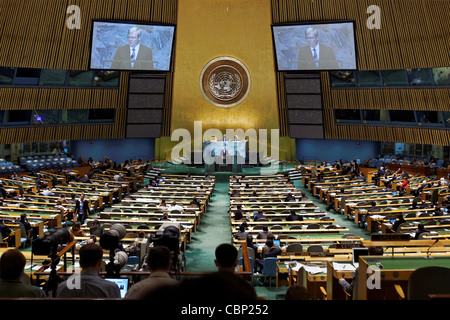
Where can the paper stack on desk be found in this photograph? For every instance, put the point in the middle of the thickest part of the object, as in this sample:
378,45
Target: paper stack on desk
343,266
309,269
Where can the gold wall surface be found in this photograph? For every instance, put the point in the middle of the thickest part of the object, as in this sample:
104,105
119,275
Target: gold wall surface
208,29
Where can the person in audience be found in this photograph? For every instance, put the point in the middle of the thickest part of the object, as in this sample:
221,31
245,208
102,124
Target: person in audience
63,210
398,222
424,204
175,206
350,287
294,217
362,177
251,244
165,216
420,229
159,262
133,249
82,209
91,240
196,202
76,230
48,192
379,175
91,285
446,202
265,233
242,234
223,285
96,228
13,282
420,188
5,231
226,258
28,228
370,210
72,199
438,211
259,215
405,184
289,198
238,215
269,250
85,179
163,203
62,199
336,165
297,292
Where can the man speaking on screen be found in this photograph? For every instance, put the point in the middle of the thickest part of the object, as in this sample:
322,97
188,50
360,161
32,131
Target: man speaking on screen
134,55
315,55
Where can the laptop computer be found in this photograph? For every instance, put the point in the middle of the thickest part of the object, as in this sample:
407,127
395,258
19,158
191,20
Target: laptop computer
122,283
356,253
277,242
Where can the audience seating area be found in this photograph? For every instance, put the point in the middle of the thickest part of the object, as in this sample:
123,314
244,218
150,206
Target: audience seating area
39,163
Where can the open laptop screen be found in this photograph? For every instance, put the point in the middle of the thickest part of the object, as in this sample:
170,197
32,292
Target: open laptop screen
121,283
357,252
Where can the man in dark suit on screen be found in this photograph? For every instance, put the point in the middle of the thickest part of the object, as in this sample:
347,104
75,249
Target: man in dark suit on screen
314,55
134,55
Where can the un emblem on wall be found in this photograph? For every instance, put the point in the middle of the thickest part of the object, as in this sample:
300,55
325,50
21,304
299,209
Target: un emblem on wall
225,82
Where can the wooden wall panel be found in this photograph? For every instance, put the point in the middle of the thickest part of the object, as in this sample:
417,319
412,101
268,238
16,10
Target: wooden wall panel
411,36
33,34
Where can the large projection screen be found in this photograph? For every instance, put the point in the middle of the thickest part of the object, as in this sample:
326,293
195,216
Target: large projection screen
315,46
118,45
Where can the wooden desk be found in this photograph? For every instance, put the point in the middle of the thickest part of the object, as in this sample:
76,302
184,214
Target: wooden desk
395,270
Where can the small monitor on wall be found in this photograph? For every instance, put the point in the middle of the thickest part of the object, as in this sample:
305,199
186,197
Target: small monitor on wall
315,46
122,45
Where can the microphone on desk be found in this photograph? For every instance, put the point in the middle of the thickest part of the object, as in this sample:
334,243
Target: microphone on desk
428,256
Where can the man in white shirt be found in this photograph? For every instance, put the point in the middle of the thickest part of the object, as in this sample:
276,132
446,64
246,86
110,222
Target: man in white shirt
175,206
48,192
316,56
134,55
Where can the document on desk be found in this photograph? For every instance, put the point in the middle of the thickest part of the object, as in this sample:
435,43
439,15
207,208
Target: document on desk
309,269
343,266
315,269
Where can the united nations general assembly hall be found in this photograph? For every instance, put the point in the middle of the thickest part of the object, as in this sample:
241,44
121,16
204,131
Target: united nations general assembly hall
222,158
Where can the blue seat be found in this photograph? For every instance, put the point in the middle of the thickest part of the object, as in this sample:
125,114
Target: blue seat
133,260
270,268
241,262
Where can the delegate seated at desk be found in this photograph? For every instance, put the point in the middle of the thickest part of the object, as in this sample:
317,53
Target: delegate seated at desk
269,250
351,287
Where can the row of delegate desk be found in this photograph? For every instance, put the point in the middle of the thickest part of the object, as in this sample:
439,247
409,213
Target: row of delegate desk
130,213
400,259
142,210
24,197
270,194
